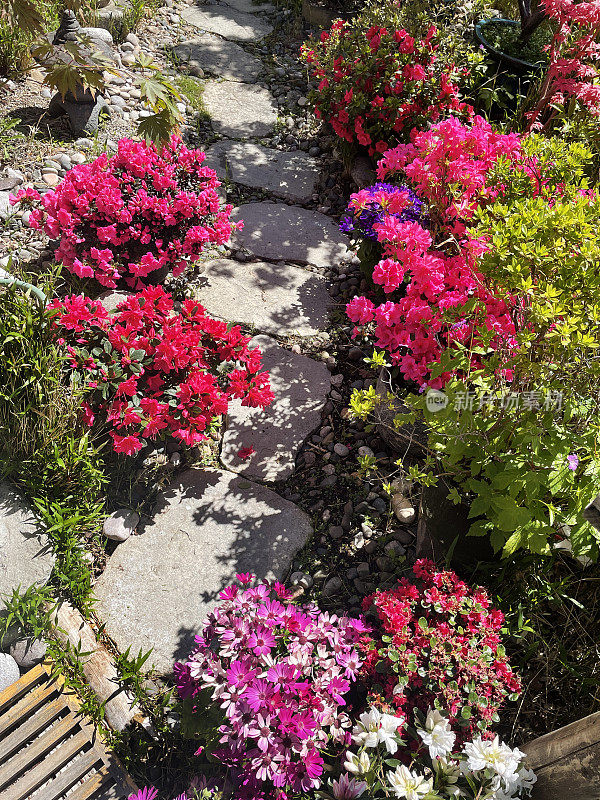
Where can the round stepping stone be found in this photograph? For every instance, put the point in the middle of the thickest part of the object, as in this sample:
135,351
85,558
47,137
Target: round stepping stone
227,22
292,176
25,553
277,232
219,57
238,110
209,525
300,386
282,300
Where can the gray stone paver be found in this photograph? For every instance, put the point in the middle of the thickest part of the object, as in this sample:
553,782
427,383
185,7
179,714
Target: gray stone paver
227,22
275,232
217,56
248,6
274,298
239,110
25,553
300,386
292,176
209,525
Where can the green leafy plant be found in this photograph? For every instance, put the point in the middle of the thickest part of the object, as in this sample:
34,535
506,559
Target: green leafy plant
43,446
29,612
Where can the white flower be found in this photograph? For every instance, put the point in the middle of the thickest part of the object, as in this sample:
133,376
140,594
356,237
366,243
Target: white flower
357,764
347,788
438,735
387,731
407,784
366,731
493,754
374,727
527,777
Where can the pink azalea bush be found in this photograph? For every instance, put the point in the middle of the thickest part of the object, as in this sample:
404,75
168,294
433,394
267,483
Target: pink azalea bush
150,370
448,166
437,643
135,215
278,674
573,55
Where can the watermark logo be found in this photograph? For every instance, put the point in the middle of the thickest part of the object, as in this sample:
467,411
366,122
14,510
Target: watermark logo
436,400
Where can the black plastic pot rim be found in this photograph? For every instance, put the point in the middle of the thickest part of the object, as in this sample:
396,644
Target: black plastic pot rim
518,63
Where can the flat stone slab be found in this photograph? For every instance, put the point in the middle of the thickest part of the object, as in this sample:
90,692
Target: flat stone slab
238,110
248,6
219,57
282,300
300,386
278,232
292,176
227,22
25,553
209,525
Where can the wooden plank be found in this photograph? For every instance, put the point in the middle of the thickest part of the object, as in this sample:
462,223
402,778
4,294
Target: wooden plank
27,705
29,756
69,777
574,777
48,745
563,742
31,727
92,787
28,783
98,667
26,682
120,775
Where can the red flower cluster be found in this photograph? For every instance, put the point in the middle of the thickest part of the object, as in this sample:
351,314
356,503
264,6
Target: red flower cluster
150,369
438,644
377,82
134,213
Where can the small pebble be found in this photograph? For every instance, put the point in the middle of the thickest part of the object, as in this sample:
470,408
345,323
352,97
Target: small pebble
341,450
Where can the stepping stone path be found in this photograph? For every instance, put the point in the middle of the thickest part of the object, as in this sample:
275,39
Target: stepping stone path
217,56
292,176
300,386
275,298
239,110
210,525
274,231
25,554
227,22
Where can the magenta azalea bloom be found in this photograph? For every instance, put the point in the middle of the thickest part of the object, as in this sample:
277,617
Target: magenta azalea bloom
572,462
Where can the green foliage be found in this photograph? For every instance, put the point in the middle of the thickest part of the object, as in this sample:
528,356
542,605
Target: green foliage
8,136
29,611
43,447
520,436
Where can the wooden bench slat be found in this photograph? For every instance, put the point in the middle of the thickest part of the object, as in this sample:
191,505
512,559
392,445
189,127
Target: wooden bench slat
26,682
97,787
63,782
29,756
27,705
29,728
28,783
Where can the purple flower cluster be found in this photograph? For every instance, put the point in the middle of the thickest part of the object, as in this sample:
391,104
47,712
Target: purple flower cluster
280,673
373,207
